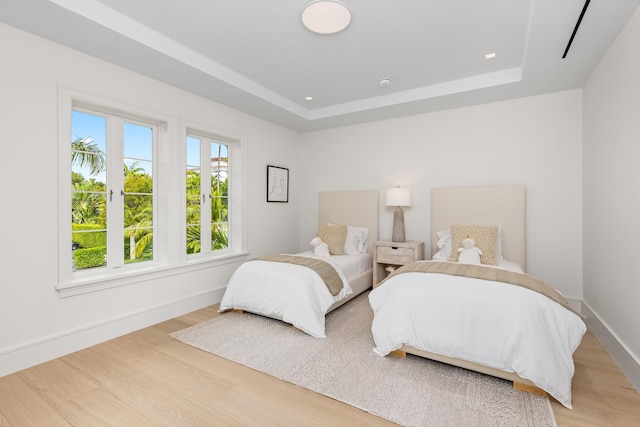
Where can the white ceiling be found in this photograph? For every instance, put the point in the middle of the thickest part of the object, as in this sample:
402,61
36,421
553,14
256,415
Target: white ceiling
255,55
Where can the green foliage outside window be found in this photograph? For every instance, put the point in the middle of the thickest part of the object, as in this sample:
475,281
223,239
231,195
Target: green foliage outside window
88,235
219,213
89,213
89,258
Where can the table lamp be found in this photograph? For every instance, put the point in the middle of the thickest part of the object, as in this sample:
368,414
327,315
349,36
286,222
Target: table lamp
398,197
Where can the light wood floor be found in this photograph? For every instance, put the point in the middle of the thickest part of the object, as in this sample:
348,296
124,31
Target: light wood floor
149,379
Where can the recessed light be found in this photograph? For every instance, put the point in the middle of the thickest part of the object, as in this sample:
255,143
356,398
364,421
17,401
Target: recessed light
490,55
308,98
385,82
326,16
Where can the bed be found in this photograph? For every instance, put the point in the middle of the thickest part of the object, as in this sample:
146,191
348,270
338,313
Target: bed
295,293
485,325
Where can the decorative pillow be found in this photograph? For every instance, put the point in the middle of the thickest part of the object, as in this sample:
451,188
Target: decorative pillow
356,240
484,236
334,236
444,244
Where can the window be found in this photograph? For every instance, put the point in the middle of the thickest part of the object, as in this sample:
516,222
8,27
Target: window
123,217
112,190
207,196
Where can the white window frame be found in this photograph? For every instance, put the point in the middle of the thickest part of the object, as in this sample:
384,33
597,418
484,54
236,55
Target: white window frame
236,191
115,123
77,282
170,210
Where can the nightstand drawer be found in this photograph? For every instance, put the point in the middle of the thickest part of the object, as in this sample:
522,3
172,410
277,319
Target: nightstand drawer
395,254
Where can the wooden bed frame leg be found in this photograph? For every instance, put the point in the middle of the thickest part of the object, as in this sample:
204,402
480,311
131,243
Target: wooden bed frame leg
529,389
399,353
232,310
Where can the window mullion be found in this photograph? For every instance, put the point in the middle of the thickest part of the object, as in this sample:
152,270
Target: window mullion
115,192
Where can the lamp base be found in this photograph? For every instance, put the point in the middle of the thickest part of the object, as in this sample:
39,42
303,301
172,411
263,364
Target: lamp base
398,225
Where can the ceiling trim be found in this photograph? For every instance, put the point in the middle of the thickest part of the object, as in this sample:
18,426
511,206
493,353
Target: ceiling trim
482,81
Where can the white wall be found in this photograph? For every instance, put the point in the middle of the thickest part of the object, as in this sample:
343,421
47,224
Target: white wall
533,141
35,323
611,126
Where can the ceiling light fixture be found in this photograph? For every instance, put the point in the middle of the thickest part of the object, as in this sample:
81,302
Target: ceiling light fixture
385,82
490,55
326,16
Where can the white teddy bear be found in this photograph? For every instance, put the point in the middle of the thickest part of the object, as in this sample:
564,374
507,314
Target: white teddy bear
320,248
469,253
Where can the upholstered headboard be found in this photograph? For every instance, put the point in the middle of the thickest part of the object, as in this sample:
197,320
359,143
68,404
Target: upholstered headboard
359,208
500,205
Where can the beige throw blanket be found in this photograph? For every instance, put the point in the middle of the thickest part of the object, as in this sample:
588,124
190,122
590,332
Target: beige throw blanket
485,273
326,271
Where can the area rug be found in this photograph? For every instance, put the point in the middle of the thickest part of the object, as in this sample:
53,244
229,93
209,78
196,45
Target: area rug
410,392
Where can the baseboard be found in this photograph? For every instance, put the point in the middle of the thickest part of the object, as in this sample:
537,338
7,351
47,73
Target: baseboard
48,348
625,359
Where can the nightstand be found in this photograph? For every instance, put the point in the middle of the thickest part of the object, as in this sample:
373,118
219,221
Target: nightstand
394,254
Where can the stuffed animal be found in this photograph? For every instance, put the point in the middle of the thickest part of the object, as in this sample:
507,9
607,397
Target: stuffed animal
320,248
469,253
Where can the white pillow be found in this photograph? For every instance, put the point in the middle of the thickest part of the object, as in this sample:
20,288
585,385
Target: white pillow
444,244
356,240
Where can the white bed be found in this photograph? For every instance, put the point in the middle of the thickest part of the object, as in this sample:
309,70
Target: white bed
487,326
296,294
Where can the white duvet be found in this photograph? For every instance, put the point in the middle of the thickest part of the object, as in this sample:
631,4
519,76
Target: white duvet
292,293
490,323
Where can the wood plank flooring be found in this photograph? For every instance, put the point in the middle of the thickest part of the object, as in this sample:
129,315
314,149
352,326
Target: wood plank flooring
147,378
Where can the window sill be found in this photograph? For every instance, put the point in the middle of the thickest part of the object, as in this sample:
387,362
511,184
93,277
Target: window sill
96,283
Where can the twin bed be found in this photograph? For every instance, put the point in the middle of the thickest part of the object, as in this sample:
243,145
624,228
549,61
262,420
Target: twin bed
525,333
296,294
482,324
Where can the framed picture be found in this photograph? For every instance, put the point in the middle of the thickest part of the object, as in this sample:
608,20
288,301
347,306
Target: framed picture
277,184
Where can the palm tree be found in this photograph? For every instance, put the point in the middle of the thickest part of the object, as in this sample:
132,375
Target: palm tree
219,215
138,210
88,203
140,237
84,152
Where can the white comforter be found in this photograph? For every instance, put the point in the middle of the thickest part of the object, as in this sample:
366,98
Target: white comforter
292,293
490,323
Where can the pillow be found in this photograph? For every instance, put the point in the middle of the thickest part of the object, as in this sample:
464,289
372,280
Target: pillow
444,244
499,256
356,240
485,237
334,236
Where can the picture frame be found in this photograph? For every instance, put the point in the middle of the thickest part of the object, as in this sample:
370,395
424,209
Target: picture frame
277,184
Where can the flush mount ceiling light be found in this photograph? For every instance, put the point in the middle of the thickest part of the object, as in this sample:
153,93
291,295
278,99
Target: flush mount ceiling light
326,16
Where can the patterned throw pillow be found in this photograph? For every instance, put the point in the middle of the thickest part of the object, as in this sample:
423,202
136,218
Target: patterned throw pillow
334,236
485,237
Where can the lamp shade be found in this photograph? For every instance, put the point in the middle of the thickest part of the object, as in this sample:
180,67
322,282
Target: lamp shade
398,197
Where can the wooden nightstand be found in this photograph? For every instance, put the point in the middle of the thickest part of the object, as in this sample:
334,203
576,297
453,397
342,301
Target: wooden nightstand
396,254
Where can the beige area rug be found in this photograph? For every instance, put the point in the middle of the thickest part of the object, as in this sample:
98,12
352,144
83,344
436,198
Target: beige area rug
411,392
